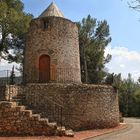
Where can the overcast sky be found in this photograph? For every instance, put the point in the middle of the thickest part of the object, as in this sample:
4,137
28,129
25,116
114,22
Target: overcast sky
124,28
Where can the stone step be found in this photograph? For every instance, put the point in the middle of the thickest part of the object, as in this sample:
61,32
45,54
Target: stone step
25,118
20,108
43,121
69,133
53,125
27,113
18,102
5,104
61,130
35,117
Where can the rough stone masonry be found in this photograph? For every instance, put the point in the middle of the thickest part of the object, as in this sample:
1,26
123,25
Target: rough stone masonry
52,75
85,106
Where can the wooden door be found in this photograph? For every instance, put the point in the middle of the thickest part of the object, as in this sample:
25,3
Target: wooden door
44,69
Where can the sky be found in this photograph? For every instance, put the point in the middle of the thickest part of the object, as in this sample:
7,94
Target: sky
124,28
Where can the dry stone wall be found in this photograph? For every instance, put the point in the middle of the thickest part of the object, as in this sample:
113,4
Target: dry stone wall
2,93
85,106
15,120
60,41
9,91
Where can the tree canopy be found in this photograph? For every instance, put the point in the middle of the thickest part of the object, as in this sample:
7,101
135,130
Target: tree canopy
94,36
135,4
14,23
129,94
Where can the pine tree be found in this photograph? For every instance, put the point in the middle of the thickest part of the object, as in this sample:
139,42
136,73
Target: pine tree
93,38
134,4
14,23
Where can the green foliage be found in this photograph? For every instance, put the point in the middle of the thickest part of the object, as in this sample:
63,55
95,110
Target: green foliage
134,4
129,94
114,79
117,81
93,38
129,97
14,23
139,80
109,79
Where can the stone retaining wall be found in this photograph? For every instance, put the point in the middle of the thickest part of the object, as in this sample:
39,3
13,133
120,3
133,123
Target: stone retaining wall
2,93
85,106
9,91
15,120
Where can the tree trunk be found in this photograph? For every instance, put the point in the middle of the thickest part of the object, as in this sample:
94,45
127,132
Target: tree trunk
85,65
2,39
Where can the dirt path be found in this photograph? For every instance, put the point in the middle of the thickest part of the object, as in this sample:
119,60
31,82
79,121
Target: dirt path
131,133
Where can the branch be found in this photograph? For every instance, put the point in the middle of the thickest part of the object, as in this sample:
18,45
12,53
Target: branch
135,4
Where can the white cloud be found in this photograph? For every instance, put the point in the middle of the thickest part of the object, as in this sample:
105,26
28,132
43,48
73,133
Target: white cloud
124,61
4,65
122,66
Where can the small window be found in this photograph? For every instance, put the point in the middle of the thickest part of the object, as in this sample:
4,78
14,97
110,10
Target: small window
45,24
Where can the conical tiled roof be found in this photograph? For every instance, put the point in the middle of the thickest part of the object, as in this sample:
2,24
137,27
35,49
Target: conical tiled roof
52,10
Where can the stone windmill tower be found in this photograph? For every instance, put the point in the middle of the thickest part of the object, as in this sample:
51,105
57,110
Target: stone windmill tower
52,49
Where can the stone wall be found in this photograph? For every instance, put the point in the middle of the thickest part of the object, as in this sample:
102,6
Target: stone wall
59,41
3,93
9,91
85,106
15,120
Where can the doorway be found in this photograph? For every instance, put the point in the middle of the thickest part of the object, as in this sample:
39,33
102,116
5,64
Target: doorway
44,69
